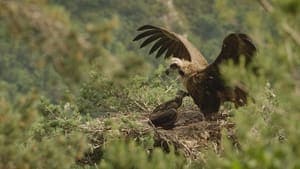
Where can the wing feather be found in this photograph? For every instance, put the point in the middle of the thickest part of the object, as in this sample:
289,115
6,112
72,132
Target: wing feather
163,48
235,45
158,44
179,52
171,50
175,44
150,39
145,34
144,27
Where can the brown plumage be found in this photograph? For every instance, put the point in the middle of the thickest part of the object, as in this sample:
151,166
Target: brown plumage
165,115
203,81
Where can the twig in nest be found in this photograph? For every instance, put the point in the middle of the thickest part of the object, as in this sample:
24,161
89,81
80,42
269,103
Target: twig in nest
142,107
187,148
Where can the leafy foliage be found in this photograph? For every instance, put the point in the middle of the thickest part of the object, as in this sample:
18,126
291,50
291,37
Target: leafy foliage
120,154
20,150
64,63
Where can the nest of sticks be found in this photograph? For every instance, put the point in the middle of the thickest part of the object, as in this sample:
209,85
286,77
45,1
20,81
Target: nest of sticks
191,135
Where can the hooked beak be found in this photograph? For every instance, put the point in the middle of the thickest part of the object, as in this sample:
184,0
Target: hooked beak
172,67
167,71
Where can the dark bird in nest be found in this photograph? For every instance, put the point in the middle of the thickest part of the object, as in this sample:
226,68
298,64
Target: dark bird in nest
165,115
204,82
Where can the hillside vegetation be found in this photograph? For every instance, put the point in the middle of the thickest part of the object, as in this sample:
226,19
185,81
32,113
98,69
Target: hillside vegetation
76,92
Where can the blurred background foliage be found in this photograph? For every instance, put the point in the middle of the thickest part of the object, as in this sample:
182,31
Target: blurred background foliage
63,62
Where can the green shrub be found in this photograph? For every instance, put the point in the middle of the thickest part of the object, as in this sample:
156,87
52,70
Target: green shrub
19,149
127,155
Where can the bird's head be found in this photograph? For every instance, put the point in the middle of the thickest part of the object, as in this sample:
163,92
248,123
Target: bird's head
185,68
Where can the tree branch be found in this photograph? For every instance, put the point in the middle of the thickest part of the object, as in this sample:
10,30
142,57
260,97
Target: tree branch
266,5
286,27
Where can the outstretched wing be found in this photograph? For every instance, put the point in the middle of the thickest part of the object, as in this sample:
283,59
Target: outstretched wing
169,43
235,45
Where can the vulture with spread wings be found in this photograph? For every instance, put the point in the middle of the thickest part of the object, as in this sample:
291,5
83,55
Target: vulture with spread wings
203,81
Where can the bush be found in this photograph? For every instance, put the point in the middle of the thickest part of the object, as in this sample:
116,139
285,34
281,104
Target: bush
127,155
19,149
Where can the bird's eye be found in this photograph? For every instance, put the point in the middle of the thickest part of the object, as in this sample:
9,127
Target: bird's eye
181,73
